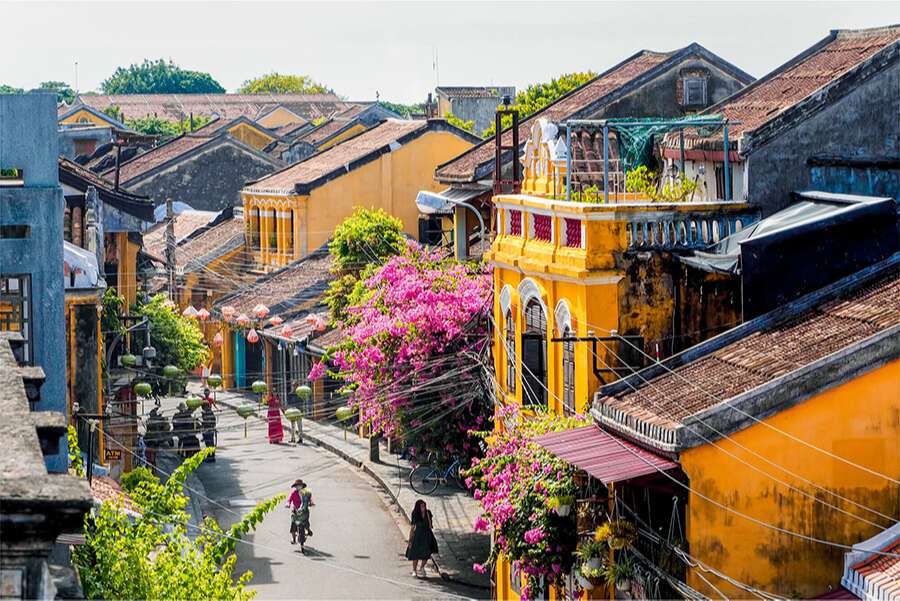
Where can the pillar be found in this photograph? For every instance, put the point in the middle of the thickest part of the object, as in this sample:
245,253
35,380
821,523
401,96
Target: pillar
295,239
227,353
460,235
263,235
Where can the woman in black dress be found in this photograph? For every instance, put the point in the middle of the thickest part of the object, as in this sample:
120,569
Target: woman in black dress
422,542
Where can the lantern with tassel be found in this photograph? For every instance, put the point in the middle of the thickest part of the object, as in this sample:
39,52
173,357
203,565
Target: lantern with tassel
252,336
260,310
218,339
190,311
228,312
243,320
276,321
287,331
202,314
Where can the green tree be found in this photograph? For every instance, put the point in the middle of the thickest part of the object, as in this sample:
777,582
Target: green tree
468,126
113,111
154,126
539,95
276,83
159,77
404,110
363,241
63,92
177,339
7,89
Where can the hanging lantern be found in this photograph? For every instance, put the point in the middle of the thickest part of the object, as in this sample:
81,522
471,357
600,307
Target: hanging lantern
243,320
170,371
193,402
316,321
214,380
143,389
190,311
246,410
343,413
276,321
259,387
252,336
303,392
202,314
260,310
128,360
228,312
287,331
293,414
218,339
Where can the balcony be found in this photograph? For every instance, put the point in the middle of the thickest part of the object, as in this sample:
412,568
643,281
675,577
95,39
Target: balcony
572,226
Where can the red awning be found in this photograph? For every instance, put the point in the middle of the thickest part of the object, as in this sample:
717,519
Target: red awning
602,455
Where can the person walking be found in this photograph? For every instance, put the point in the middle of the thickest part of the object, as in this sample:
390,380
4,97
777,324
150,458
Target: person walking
299,503
208,425
421,543
182,424
276,430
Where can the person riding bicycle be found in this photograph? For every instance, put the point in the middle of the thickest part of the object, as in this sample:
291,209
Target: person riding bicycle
299,503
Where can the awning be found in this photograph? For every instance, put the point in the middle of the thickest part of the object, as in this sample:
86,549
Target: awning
604,456
441,203
80,268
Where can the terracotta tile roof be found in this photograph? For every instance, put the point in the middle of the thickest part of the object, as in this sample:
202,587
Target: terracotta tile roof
79,177
329,338
328,129
470,91
294,286
881,573
762,356
107,490
186,223
205,247
155,157
180,106
337,157
788,85
463,168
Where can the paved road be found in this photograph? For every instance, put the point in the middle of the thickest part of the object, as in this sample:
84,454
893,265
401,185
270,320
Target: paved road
357,549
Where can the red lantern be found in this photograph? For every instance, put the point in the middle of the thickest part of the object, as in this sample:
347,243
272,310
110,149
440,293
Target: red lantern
252,336
218,339
276,321
190,311
202,314
243,320
261,310
287,331
228,312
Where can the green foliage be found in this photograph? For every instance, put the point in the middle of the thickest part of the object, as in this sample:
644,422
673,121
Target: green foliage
348,290
76,464
150,556
404,110
110,323
646,182
177,339
63,92
537,96
131,480
455,121
154,126
113,111
159,77
276,83
7,89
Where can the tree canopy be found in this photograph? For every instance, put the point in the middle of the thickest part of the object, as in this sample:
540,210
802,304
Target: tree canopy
64,93
404,110
160,77
468,126
276,83
538,95
7,89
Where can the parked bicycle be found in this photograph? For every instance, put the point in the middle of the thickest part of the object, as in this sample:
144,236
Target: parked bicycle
425,479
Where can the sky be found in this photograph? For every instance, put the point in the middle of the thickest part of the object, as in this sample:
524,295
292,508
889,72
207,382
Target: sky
361,49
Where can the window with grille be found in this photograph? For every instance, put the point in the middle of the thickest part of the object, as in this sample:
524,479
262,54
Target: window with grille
573,233
15,308
568,367
543,227
694,91
515,223
719,171
510,353
534,356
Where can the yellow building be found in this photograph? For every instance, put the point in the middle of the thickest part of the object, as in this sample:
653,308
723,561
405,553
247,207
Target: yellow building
786,434
294,211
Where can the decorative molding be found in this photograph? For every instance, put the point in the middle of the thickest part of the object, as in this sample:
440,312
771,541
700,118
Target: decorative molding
528,290
587,281
563,315
505,299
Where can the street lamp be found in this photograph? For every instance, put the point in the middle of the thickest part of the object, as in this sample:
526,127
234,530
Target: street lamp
430,203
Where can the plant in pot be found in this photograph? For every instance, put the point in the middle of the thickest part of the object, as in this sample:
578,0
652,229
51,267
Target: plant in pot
561,504
618,534
591,553
620,573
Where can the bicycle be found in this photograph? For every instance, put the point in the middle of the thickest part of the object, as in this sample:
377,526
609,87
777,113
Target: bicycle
424,479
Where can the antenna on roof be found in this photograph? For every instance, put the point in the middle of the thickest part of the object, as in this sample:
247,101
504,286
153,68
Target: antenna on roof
437,70
76,78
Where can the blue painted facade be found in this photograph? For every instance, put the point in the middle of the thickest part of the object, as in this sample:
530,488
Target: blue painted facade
29,142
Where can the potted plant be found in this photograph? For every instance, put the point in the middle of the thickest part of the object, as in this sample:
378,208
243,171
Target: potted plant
591,554
561,504
618,534
620,573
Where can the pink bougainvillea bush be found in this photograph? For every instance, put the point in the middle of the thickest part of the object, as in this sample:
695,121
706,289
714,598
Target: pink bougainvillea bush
414,352
516,483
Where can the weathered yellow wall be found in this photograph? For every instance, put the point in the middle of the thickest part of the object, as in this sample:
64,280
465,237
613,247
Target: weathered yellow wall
251,136
83,117
280,116
349,133
127,273
859,421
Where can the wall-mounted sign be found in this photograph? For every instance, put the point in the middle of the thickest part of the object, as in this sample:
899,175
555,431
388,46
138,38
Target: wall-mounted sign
113,454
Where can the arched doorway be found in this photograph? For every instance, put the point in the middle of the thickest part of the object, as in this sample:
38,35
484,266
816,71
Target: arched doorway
534,356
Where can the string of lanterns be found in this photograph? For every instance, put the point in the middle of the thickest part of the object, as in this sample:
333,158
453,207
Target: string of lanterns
316,321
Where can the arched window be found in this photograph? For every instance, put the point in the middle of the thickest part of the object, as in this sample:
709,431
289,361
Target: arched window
534,355
568,369
510,353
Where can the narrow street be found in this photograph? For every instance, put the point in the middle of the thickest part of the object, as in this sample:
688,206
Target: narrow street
357,547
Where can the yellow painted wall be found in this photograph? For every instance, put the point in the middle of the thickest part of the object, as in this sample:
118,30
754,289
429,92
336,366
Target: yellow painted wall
83,117
280,116
859,421
127,271
251,136
348,133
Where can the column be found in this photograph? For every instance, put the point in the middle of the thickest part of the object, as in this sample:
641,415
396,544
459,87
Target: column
296,237
264,234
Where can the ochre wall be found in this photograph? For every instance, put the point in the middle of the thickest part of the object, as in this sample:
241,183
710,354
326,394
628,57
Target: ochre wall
251,136
127,273
859,421
84,117
349,133
279,117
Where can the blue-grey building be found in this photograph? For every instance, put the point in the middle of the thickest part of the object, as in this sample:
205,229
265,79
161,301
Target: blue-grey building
32,298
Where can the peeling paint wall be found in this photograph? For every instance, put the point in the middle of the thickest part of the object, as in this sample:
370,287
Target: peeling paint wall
858,420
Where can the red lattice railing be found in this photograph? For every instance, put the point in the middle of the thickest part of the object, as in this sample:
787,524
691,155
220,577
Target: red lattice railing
543,228
573,233
515,223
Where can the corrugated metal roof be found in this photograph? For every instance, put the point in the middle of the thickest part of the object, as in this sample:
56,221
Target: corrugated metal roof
603,455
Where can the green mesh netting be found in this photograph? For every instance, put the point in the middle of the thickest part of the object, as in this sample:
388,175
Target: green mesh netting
635,141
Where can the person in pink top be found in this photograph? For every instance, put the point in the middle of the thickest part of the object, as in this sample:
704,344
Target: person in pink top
299,503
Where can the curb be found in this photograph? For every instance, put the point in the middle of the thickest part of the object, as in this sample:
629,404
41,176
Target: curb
363,465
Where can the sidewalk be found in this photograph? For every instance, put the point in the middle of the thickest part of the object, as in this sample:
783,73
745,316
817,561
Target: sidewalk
454,510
